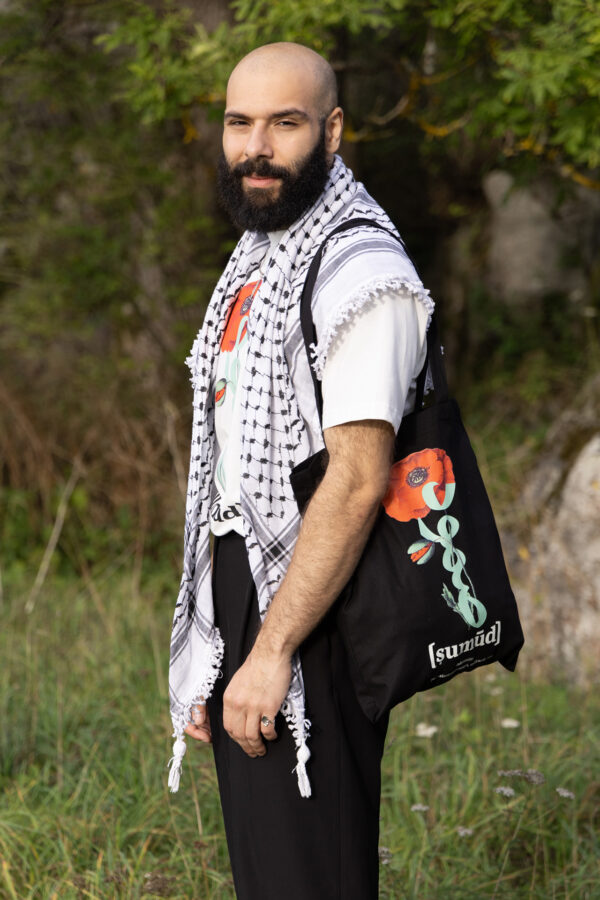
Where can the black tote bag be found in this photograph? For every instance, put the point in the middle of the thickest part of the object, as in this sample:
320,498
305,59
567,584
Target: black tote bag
430,596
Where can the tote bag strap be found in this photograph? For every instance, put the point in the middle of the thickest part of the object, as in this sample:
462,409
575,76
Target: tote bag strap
433,361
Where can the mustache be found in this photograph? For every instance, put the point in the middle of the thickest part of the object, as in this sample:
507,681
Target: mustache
260,167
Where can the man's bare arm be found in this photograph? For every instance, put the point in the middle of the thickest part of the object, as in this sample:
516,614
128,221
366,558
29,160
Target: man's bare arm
334,531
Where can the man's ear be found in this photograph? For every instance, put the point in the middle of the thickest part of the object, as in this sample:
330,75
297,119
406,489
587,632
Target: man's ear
334,124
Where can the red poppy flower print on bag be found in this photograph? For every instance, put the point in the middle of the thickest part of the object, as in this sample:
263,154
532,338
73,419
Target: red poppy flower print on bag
421,483
404,498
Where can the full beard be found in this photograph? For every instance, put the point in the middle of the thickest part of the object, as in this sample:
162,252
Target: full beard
255,209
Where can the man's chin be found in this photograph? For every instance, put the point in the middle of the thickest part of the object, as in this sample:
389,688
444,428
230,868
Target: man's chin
262,196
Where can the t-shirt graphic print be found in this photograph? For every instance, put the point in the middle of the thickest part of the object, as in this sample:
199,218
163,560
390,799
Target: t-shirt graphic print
226,513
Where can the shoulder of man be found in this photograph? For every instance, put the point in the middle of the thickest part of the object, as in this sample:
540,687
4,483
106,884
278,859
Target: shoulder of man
360,255
356,246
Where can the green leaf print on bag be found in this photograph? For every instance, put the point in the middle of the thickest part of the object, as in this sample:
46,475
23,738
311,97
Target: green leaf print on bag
421,483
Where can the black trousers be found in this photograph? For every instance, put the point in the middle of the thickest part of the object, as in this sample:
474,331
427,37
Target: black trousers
283,846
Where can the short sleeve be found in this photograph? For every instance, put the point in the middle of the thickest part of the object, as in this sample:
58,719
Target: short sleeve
372,366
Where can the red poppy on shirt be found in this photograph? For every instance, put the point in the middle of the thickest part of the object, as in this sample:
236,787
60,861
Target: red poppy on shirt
240,310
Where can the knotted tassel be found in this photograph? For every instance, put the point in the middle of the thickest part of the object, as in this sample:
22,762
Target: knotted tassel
179,749
303,756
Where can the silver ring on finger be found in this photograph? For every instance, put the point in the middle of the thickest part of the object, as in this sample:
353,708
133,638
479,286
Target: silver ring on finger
196,712
264,720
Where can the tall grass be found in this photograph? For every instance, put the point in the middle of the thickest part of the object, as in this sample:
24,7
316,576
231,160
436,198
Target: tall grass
85,738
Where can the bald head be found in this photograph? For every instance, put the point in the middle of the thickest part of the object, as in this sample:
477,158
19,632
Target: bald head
295,62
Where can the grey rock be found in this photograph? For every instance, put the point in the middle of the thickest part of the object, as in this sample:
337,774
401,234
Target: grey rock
536,245
558,586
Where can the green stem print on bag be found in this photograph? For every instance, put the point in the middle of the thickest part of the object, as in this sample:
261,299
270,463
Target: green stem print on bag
419,484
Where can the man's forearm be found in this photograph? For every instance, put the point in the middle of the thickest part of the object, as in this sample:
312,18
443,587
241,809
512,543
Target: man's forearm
334,531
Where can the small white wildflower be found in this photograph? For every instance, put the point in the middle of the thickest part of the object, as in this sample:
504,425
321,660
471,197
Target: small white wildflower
505,791
563,792
385,854
510,723
531,775
491,676
419,807
496,691
534,777
424,730
463,832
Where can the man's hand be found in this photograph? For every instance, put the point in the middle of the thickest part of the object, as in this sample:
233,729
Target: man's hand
257,689
199,727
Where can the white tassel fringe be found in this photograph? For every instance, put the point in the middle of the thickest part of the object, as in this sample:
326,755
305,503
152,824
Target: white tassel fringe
303,755
179,749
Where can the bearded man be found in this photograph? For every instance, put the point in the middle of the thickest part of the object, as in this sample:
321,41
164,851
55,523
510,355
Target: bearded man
263,614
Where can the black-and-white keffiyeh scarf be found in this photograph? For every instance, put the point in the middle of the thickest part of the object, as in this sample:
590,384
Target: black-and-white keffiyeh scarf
280,426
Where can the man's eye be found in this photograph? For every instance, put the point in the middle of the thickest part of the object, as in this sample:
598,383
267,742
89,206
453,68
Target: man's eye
236,122
287,122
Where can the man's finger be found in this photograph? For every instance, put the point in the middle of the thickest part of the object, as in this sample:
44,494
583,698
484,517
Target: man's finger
235,726
199,714
267,727
199,732
199,724
253,743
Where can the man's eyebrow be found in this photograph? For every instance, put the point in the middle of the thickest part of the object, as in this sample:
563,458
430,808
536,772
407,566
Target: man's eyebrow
281,114
290,113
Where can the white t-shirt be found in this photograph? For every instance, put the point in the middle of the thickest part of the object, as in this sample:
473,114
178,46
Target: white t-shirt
370,373
225,511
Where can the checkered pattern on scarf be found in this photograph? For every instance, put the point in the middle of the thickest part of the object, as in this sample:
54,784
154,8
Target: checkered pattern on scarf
280,428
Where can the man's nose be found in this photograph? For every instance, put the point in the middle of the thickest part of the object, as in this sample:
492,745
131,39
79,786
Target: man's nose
258,143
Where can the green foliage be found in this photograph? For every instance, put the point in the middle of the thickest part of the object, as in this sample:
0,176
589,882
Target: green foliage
500,69
524,369
86,738
110,243
161,66
109,248
556,76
